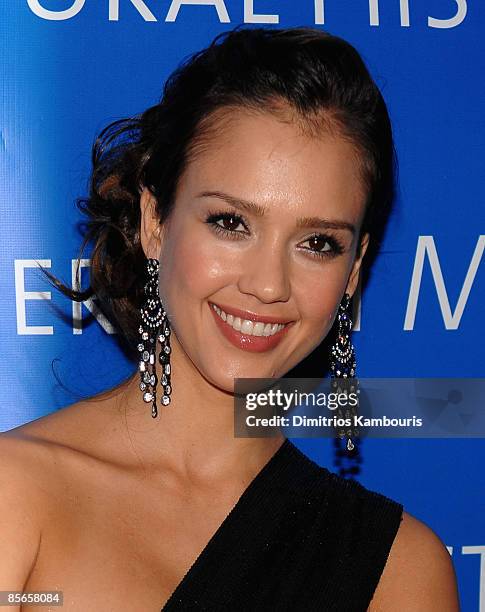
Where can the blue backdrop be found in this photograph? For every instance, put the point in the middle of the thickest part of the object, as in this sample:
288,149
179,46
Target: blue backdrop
69,68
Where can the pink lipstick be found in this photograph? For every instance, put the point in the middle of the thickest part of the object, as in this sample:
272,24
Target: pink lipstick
248,342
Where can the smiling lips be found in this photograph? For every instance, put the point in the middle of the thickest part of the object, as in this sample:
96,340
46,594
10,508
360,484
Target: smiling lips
256,334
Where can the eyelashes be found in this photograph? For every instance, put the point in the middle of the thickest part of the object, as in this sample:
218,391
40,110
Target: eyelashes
234,220
213,218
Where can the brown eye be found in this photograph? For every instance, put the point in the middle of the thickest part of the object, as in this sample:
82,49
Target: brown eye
322,246
230,222
227,223
318,242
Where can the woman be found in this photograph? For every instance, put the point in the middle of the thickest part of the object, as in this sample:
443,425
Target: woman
229,223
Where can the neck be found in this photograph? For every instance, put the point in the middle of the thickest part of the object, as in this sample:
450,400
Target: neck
194,434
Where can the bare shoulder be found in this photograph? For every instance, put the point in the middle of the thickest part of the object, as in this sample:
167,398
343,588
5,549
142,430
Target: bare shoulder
85,427
22,510
33,455
29,454
419,575
44,465
23,462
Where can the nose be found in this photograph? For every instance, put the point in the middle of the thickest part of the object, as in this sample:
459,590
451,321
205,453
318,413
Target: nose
265,273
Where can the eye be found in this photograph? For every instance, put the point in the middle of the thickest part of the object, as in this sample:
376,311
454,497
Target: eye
226,223
230,221
323,245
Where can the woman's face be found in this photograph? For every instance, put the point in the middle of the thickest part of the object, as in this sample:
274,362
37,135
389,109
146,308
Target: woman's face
236,239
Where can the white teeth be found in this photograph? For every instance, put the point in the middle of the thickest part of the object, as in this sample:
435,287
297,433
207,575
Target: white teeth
245,326
258,328
267,329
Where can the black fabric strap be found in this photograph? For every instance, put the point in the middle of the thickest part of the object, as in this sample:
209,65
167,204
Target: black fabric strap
299,538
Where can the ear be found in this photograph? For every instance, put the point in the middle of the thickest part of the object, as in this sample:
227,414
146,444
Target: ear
150,228
354,274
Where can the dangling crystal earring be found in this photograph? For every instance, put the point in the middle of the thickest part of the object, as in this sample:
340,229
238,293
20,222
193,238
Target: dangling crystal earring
154,325
343,364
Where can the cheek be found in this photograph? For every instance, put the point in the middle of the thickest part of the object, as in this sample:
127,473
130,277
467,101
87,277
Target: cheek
193,265
318,294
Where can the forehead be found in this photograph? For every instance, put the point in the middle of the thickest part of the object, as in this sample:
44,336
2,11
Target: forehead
258,156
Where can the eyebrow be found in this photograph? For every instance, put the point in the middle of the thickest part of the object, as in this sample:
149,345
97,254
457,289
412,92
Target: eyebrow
259,211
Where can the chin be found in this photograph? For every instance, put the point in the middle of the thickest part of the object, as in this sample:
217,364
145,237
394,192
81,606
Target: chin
225,380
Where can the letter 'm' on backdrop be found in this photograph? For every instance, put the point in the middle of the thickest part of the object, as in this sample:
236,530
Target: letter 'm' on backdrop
71,67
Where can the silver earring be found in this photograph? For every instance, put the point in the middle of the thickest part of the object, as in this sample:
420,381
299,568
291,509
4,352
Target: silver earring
343,364
154,326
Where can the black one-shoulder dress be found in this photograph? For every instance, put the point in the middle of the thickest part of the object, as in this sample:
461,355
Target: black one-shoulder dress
300,538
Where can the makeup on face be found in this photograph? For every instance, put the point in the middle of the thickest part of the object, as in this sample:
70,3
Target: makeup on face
262,235
254,333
